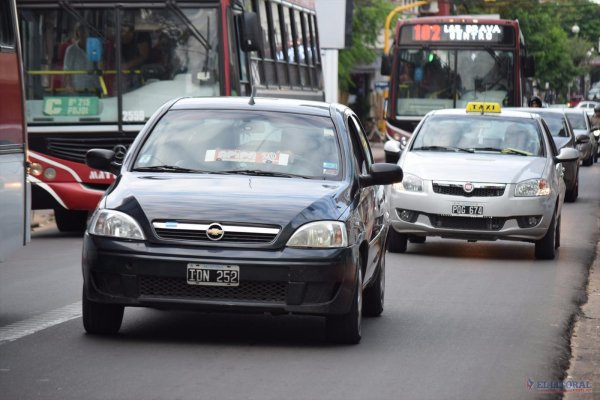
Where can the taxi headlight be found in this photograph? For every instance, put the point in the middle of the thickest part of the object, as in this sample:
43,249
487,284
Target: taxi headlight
322,234
115,224
532,188
410,183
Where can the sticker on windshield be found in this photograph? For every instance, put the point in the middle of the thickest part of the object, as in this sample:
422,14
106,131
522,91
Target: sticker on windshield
330,168
257,157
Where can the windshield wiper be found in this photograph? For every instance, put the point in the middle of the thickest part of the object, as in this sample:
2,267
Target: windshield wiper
496,149
510,150
444,148
259,172
170,168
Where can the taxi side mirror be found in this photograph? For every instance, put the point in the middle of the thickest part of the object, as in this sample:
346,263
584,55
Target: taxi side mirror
567,154
392,149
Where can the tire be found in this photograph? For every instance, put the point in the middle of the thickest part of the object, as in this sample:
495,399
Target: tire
70,220
557,238
545,248
572,194
101,319
374,295
397,242
417,239
346,329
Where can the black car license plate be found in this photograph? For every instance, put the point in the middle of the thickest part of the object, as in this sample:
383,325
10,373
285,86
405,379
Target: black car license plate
213,275
474,210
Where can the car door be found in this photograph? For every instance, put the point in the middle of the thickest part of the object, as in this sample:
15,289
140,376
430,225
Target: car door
557,177
370,207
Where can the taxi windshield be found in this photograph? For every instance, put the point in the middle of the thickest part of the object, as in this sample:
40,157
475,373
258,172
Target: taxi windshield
237,142
479,134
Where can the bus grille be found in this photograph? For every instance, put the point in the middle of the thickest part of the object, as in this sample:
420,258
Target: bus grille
74,149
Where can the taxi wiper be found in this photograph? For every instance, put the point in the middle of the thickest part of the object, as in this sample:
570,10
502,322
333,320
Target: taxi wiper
170,168
444,148
260,172
510,150
496,149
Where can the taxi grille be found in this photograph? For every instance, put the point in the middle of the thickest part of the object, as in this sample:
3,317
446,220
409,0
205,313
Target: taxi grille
467,223
457,190
178,288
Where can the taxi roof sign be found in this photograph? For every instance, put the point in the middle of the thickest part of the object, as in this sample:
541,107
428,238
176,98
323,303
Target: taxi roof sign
482,107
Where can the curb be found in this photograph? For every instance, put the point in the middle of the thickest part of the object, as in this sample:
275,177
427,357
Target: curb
585,341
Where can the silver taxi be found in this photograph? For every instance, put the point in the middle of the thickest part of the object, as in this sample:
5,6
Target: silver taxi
479,174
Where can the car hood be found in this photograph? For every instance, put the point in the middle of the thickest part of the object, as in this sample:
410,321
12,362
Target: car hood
219,198
488,168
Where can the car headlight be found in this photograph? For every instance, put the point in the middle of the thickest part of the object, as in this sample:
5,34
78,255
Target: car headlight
115,224
410,183
532,188
321,234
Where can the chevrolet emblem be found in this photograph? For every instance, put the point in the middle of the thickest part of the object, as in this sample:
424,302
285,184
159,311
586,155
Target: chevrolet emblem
215,232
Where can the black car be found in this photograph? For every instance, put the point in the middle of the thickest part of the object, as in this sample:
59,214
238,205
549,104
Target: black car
237,204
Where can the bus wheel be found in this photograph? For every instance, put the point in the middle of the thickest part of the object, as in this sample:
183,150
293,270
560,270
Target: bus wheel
70,220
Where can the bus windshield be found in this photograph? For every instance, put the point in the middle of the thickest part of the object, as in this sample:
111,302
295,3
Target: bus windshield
432,78
102,64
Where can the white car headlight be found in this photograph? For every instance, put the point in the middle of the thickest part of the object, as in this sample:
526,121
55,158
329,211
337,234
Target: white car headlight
321,234
532,188
115,224
410,183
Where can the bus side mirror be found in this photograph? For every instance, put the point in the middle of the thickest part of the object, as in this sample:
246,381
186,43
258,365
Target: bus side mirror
386,65
250,31
529,67
93,47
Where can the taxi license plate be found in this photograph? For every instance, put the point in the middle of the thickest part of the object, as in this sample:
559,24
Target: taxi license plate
474,210
213,275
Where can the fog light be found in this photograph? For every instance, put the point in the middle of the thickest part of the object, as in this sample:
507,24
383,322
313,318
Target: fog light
50,173
36,169
407,215
529,221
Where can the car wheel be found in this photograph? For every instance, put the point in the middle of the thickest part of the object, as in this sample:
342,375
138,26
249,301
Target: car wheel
557,239
545,248
346,329
70,220
572,194
101,318
417,239
374,295
397,242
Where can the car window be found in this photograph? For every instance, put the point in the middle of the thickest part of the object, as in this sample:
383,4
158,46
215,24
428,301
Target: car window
360,145
556,123
577,120
479,134
231,141
551,143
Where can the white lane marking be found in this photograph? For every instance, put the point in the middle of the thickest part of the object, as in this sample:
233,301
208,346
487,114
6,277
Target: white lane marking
34,324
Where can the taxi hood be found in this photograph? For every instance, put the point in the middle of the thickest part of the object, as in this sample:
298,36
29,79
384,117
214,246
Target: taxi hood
488,168
211,198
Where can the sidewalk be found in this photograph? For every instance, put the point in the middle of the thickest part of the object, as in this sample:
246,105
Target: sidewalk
585,342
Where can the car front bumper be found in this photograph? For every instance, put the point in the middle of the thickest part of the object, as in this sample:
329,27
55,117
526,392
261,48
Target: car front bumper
302,281
504,217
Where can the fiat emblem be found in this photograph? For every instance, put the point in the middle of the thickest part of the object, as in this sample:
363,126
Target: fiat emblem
215,232
468,187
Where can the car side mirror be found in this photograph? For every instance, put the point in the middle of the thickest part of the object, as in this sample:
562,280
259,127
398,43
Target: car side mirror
567,154
392,149
582,139
382,174
104,160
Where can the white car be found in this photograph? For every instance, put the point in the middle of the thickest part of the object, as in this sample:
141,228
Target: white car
479,174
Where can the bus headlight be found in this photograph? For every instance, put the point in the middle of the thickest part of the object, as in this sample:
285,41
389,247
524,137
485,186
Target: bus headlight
36,169
115,224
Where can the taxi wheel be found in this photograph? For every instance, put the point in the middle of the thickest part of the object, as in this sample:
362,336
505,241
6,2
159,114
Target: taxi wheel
545,248
374,295
346,329
101,318
397,242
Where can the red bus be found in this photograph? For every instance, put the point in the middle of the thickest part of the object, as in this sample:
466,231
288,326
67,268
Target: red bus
447,61
97,70
14,188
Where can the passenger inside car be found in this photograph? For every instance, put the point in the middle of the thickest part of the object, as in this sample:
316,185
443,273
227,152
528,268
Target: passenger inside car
519,138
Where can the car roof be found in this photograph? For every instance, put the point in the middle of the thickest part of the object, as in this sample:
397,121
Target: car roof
514,113
263,104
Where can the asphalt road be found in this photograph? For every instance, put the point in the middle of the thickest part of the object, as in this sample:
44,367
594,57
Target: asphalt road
462,321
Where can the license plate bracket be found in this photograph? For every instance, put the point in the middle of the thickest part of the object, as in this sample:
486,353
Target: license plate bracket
213,275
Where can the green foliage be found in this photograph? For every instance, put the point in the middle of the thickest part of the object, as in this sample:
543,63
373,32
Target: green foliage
367,22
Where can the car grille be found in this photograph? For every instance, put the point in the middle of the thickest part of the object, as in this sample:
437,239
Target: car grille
178,288
197,232
467,223
75,148
479,190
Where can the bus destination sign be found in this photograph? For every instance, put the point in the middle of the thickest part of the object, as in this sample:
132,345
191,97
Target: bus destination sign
456,33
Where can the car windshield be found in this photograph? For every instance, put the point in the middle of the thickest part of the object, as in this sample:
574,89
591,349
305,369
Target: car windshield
258,143
479,134
577,120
